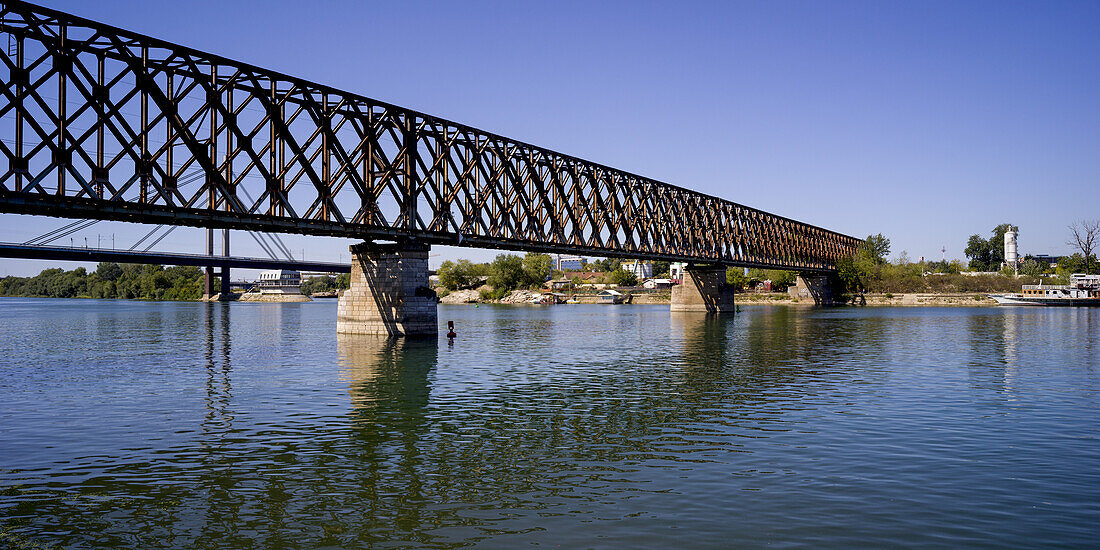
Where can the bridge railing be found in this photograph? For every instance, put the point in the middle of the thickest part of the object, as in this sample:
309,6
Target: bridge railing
99,122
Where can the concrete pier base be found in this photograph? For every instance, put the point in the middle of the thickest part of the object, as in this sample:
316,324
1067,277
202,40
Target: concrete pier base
817,287
389,292
704,290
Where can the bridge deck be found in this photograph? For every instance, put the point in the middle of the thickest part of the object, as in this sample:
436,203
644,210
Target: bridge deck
81,254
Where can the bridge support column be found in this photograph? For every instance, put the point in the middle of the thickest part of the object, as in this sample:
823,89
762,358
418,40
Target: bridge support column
704,290
815,286
226,293
207,284
389,292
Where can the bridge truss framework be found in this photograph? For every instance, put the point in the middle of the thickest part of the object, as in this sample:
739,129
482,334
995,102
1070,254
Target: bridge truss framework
98,122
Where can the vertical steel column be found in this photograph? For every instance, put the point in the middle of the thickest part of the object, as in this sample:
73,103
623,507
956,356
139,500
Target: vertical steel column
282,155
62,83
23,74
211,198
229,186
101,121
273,185
170,186
369,200
443,179
145,169
325,188
410,184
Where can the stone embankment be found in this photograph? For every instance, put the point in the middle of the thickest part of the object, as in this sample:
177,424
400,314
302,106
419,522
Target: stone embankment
520,297
273,298
954,299
461,297
971,299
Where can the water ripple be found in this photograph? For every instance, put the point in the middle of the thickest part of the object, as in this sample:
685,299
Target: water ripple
142,425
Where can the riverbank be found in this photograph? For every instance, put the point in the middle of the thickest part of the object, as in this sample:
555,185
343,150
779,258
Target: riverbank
955,299
932,299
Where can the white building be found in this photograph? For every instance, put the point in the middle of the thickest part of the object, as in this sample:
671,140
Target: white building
658,284
570,262
676,271
641,270
280,281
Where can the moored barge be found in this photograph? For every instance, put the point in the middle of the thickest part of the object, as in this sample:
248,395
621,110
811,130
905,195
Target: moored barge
1082,291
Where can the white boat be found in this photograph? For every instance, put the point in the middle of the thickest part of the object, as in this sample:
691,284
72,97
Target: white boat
1082,291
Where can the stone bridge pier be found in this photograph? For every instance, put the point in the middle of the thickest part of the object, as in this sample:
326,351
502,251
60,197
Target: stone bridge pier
389,292
704,290
816,286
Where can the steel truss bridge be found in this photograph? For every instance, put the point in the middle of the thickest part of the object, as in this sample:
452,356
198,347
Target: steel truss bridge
101,123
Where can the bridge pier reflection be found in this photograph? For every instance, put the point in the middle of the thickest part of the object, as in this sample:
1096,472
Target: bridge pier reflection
388,382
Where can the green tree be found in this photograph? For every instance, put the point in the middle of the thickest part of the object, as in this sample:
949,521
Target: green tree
321,283
622,277
977,249
1075,263
997,245
850,275
943,266
506,273
735,277
987,255
108,271
1031,268
780,279
147,282
876,247
460,274
537,267
450,276
605,265
661,269
343,281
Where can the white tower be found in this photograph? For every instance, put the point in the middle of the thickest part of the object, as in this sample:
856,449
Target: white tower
1010,246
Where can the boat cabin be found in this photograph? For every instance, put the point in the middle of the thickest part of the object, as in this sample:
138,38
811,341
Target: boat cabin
608,296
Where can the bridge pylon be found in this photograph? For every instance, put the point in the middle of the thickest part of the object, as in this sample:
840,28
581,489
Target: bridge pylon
820,287
704,290
389,293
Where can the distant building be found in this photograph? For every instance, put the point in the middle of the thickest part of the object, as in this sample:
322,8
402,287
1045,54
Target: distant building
1047,259
641,270
280,281
570,262
610,297
658,284
583,277
676,272
560,283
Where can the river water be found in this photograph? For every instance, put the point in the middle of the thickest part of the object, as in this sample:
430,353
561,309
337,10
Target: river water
184,425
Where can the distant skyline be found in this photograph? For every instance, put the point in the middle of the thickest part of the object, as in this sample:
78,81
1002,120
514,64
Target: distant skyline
926,122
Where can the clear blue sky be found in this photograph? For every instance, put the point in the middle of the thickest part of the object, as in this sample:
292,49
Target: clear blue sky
925,121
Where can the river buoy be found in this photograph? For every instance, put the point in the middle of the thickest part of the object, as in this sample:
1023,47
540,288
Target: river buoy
451,329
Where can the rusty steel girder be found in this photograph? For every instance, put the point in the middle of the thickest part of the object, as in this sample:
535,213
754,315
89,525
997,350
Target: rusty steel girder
98,122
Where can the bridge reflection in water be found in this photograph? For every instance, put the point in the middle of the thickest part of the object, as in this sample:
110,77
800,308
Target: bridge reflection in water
579,424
